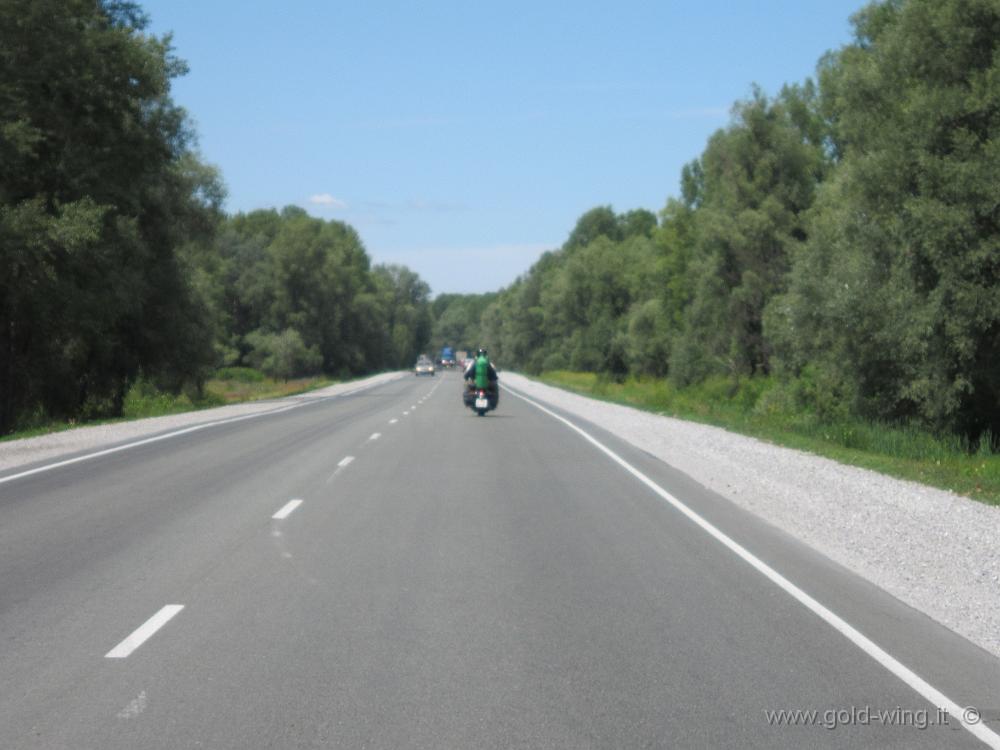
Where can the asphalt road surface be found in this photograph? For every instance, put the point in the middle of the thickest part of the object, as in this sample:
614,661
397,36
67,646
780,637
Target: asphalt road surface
388,570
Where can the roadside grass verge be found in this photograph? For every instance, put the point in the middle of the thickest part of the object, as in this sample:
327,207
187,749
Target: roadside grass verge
232,385
235,386
760,408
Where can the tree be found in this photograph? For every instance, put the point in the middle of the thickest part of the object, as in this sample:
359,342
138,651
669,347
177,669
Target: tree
896,296
406,299
458,322
597,222
100,187
271,272
747,195
283,355
318,270
637,223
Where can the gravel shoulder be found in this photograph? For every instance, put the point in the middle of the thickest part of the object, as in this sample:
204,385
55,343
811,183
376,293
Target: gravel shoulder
934,550
31,450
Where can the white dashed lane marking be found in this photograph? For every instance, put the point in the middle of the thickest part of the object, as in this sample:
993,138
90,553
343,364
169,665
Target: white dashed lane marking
144,632
286,509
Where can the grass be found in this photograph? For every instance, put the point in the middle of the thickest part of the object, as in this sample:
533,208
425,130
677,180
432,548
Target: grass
232,385
237,391
763,409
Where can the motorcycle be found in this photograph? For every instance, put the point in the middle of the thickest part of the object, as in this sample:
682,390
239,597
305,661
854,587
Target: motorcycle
480,400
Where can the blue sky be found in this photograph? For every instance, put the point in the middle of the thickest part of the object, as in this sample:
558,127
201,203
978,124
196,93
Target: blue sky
463,138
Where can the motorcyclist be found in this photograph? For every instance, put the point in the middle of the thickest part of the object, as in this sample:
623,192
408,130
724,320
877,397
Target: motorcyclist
483,376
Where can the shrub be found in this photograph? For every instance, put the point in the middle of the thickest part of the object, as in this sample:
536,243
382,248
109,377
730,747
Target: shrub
240,374
283,355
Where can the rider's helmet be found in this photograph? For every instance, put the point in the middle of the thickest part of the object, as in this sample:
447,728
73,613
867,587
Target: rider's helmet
481,352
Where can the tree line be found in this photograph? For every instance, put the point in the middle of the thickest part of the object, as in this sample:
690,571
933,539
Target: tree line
841,237
118,262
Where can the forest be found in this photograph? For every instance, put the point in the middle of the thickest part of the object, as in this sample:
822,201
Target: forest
838,240
118,263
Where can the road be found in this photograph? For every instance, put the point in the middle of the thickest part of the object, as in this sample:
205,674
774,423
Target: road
444,581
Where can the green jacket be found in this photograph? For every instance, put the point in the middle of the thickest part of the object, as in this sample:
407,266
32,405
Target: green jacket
482,372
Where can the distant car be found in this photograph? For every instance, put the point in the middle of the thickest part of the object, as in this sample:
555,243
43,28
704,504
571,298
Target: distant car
424,367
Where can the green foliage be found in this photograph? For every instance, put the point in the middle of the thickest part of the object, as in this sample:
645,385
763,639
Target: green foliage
648,338
769,408
754,182
144,399
684,292
574,306
99,189
270,272
896,296
597,222
408,321
239,374
844,236
637,223
457,321
603,222
283,355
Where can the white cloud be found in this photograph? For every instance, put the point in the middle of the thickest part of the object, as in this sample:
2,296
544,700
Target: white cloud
325,199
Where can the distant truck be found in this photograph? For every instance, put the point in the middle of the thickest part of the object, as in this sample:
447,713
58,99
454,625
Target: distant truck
447,358
460,356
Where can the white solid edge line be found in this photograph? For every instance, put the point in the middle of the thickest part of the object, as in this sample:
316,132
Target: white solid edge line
144,632
176,433
144,441
286,510
345,461
876,652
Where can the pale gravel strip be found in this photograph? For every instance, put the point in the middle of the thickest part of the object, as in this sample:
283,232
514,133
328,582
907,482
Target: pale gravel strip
933,549
14,453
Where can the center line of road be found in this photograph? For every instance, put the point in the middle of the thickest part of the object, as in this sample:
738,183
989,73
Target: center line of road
286,510
345,461
876,652
375,436
406,413
144,632
393,420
